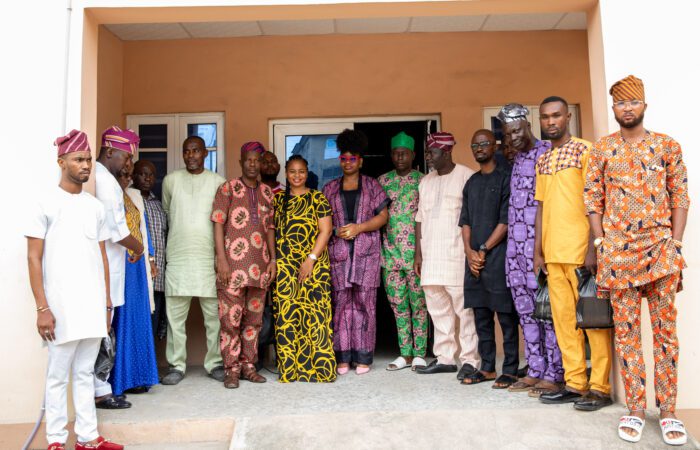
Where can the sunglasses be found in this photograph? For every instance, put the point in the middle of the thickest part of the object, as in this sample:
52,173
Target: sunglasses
348,158
482,144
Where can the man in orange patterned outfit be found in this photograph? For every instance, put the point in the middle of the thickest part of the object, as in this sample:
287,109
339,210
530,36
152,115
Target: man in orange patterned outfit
244,239
636,195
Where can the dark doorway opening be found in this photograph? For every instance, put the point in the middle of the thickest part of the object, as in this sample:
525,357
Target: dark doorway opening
377,161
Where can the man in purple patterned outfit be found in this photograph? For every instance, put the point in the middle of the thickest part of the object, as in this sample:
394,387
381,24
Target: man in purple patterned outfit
541,350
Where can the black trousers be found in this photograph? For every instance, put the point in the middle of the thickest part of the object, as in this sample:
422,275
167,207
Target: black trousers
485,330
159,320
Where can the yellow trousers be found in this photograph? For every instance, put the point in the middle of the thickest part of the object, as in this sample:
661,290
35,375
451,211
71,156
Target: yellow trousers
563,294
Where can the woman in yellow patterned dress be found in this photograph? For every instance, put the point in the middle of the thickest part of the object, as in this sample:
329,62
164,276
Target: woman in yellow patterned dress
303,317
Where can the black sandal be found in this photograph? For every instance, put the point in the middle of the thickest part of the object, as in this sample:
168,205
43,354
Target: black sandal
476,378
504,381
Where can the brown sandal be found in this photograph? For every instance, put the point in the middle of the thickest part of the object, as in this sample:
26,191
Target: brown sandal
249,373
544,387
523,385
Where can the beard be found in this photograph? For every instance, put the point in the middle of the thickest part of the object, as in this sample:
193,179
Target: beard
631,124
553,136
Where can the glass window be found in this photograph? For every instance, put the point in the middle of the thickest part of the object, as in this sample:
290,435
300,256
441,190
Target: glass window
153,135
206,131
322,154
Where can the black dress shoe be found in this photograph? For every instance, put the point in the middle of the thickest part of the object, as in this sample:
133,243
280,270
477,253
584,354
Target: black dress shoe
465,371
522,372
435,367
558,398
592,401
137,390
112,402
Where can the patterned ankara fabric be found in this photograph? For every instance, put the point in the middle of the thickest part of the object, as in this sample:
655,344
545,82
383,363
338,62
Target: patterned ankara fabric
359,264
634,187
521,219
660,295
541,349
240,313
401,282
158,229
399,234
247,216
407,300
355,324
303,323
75,141
561,175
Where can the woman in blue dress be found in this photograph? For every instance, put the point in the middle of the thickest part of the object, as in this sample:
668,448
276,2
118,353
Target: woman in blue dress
135,369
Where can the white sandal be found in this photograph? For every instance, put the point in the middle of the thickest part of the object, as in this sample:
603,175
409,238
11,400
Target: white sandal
418,362
670,425
633,423
398,364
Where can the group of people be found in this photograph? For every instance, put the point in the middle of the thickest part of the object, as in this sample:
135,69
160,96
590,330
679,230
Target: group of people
455,247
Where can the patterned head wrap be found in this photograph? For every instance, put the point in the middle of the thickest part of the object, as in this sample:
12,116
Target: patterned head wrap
252,146
442,140
628,88
403,140
512,112
75,141
124,140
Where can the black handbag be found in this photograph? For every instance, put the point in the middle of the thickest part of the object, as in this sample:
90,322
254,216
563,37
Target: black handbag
543,306
592,310
105,357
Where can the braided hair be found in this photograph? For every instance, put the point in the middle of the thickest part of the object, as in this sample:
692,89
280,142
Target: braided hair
287,189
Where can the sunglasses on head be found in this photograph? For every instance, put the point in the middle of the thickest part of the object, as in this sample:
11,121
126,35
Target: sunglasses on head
348,158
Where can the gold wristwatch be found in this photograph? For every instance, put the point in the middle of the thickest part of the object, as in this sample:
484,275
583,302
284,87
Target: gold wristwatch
597,241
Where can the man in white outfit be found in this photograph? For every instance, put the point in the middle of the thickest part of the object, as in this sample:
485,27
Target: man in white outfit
440,260
69,272
117,150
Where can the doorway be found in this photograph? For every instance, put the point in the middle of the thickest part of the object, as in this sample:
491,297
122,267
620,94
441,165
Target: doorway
315,141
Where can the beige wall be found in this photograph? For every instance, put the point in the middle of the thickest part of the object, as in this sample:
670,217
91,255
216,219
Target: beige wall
454,74
110,80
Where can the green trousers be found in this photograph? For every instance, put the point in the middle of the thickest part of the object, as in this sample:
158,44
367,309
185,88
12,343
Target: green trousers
177,309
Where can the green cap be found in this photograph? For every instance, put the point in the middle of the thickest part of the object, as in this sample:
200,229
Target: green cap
402,140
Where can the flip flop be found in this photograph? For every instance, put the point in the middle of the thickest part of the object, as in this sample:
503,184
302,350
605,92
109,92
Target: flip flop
634,423
398,364
543,387
670,425
504,382
475,378
418,363
521,386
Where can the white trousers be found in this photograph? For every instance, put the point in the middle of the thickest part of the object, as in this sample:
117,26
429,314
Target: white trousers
446,308
76,358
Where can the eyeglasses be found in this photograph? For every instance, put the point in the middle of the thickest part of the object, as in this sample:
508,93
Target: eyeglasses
348,158
623,103
482,144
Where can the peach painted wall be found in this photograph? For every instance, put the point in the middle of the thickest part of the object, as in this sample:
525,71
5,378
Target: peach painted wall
260,78
110,81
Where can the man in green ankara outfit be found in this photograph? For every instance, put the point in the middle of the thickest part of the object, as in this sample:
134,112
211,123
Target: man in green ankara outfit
398,248
187,198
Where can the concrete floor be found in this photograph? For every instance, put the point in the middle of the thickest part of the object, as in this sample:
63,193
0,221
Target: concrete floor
378,410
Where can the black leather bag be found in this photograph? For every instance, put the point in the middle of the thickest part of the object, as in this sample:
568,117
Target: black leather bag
105,357
543,306
592,310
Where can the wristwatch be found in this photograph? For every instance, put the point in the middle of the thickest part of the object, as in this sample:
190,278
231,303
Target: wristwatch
483,248
312,256
152,259
597,241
